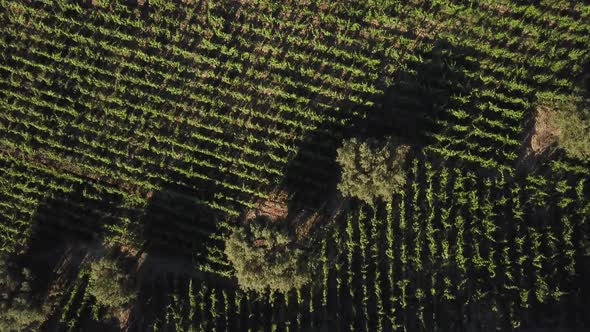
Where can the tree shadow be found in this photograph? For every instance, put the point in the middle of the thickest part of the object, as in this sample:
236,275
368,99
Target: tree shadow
67,227
177,228
70,223
410,108
177,222
413,108
584,78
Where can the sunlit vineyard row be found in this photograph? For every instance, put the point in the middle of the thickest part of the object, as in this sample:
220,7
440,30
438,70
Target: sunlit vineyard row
158,124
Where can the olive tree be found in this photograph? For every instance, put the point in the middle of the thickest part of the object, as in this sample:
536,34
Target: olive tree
109,284
372,170
264,256
572,118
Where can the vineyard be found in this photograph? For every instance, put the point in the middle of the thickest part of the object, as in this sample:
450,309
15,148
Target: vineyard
157,124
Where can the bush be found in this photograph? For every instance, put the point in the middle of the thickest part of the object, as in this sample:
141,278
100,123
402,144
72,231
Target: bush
21,315
19,309
264,257
572,117
109,284
371,170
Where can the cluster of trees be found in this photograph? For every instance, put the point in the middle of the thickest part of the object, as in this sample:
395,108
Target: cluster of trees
265,256
20,308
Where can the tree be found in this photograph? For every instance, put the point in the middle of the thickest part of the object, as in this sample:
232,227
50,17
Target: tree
19,308
264,257
109,285
572,118
371,170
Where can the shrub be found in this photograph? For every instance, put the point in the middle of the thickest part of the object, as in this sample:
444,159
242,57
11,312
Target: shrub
572,118
19,309
264,257
109,285
371,170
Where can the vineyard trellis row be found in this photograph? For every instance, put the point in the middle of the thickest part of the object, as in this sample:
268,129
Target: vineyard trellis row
479,256
119,125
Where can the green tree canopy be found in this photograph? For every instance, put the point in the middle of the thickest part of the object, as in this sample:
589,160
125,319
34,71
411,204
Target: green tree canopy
19,308
109,284
264,256
572,118
372,169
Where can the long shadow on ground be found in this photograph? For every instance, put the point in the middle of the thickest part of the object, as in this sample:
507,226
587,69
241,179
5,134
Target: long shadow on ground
66,228
410,109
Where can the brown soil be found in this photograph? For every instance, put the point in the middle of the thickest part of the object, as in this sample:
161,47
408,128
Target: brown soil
545,133
498,8
128,250
275,207
122,316
303,229
134,254
259,243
